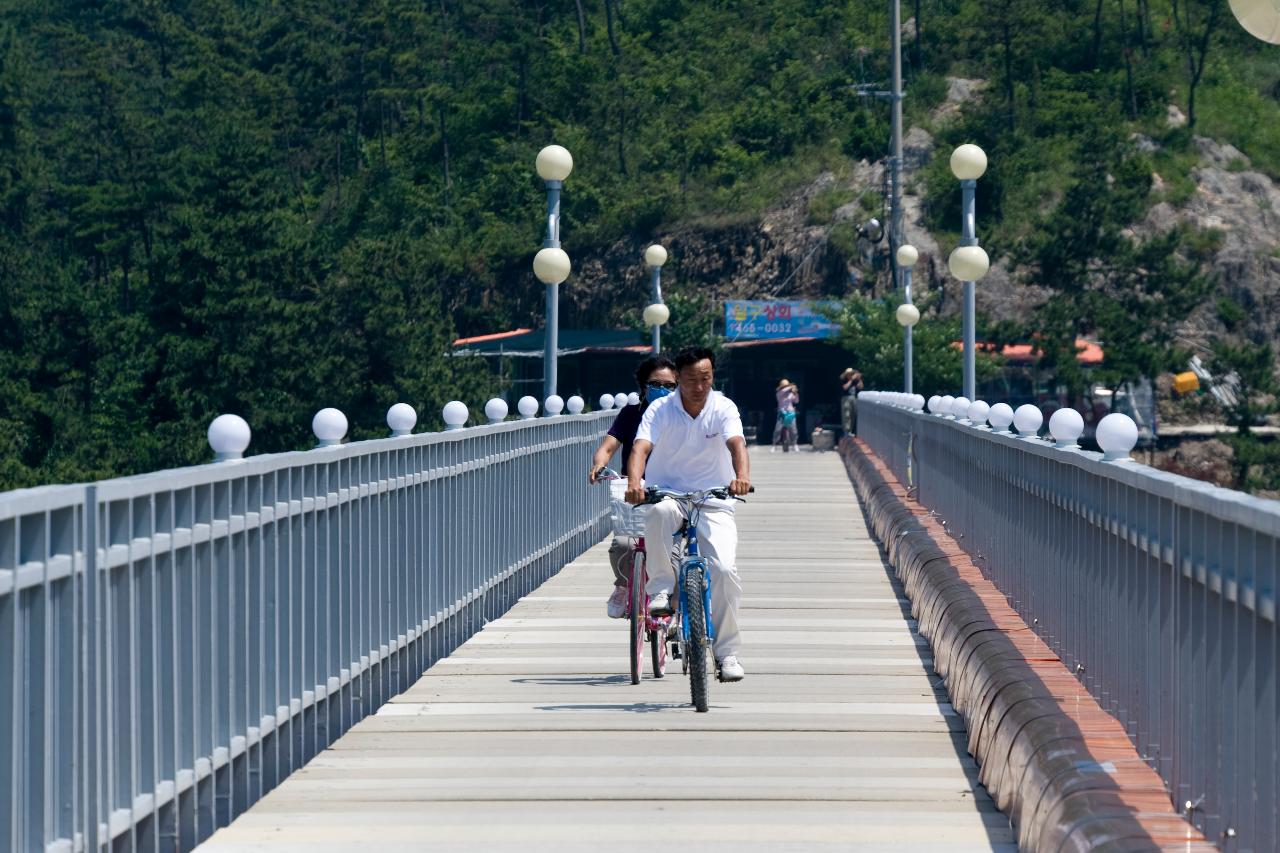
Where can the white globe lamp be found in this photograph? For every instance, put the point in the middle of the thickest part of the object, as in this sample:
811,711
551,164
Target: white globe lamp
1117,435
551,265
553,405
1028,419
655,255
960,408
528,407
969,263
908,315
554,163
229,437
935,405
496,410
1000,417
656,314
907,256
401,418
329,426
606,402
968,162
1066,426
455,414
978,412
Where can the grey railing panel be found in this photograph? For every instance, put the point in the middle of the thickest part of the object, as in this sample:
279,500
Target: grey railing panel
1159,590
181,641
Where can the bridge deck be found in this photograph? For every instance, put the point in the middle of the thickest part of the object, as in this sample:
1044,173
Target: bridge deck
530,737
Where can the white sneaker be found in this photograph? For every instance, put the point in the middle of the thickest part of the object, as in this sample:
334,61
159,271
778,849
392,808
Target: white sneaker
731,670
617,606
660,604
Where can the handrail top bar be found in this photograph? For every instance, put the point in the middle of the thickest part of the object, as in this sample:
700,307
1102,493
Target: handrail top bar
1226,504
51,497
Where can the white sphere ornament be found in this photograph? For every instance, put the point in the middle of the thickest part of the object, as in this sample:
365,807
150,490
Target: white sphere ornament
554,163
908,315
622,398
329,426
401,418
907,256
945,404
496,410
633,399
1117,434
960,407
655,255
1066,425
968,162
551,265
527,407
1000,417
917,402
229,437
1028,418
656,314
606,402
553,405
455,414
978,411
969,263
575,404
935,405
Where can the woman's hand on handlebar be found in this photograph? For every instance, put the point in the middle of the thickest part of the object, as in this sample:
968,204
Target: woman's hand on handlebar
635,493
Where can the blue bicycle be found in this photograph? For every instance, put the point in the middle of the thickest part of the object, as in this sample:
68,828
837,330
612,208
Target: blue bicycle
693,612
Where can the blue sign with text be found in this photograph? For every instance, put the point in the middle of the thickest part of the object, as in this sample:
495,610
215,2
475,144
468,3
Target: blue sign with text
754,319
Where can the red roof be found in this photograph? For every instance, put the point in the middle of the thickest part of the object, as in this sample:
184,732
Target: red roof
1087,352
492,337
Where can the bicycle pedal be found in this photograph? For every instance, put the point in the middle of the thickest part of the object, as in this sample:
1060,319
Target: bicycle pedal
675,651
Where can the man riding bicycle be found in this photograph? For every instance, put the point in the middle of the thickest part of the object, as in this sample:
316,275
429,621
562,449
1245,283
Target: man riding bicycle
690,441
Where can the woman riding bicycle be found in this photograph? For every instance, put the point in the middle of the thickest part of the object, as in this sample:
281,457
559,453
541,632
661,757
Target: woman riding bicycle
656,376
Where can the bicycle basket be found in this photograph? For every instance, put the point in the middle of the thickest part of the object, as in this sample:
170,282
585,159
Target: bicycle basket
627,520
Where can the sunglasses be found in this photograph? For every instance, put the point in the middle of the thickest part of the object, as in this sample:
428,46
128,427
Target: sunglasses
670,386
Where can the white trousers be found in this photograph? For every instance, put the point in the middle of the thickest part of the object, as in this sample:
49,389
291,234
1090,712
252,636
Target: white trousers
718,543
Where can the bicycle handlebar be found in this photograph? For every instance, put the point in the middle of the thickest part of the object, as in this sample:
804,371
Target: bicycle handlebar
653,494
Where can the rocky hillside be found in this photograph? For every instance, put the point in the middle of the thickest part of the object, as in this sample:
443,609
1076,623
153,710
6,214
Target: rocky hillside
785,254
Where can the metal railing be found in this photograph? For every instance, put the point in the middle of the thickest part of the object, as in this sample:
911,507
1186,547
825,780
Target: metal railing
173,645
1159,591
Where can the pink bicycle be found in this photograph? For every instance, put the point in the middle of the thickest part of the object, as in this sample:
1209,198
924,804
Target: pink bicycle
628,520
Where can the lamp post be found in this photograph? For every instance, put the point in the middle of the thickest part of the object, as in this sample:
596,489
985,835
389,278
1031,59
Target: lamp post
551,264
968,262
656,314
908,314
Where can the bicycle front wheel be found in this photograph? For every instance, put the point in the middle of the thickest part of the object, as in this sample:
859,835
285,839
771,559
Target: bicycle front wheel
698,649
636,643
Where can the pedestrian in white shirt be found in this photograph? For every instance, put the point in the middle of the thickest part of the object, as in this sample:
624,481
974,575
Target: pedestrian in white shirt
691,441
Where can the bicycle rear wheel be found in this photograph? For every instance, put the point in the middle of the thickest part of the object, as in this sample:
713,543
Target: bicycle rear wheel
658,650
694,589
636,640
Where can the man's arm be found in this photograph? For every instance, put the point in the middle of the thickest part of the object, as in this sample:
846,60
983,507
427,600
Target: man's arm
635,470
608,446
741,465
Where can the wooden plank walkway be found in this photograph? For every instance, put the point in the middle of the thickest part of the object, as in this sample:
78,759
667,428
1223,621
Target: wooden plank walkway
531,737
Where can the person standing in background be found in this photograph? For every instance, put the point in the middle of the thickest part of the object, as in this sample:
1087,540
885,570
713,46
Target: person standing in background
850,385
785,429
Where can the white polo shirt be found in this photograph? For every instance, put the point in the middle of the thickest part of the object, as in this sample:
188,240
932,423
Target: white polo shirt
690,454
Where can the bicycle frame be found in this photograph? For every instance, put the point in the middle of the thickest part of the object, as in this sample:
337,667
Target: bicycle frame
693,561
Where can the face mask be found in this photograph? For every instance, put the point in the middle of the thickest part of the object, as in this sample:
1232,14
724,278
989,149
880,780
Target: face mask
656,392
